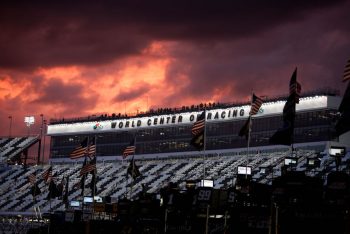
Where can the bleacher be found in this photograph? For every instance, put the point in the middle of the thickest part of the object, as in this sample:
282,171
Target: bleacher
113,181
11,147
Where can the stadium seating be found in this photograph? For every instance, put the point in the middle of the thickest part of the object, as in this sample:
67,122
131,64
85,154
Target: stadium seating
13,146
113,181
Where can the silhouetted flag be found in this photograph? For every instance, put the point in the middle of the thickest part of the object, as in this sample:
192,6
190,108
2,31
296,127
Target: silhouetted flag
91,166
130,149
66,192
93,182
256,104
47,174
346,75
35,190
82,184
343,123
245,128
198,130
53,190
294,87
133,169
284,135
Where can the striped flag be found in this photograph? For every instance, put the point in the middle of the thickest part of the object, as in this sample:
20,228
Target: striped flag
89,167
198,126
32,179
198,132
47,175
130,149
256,104
85,147
347,71
294,87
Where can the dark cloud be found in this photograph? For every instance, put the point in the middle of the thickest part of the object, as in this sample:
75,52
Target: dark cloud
81,32
69,98
132,94
319,46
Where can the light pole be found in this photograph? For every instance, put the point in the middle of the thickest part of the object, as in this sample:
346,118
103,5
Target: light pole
29,120
10,128
44,139
41,137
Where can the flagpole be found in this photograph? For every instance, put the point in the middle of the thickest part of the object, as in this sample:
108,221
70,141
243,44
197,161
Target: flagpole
249,130
94,178
84,177
133,164
204,141
94,189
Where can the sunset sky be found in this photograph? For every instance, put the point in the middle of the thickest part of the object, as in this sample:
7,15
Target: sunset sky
78,58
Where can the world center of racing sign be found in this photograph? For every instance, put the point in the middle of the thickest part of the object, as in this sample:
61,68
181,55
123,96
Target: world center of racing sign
214,115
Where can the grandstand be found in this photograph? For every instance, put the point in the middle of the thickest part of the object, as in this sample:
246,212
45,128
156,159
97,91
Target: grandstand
164,155
12,148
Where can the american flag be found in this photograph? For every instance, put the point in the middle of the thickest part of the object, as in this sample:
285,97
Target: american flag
47,175
32,178
85,147
130,149
347,71
256,104
89,167
198,126
294,86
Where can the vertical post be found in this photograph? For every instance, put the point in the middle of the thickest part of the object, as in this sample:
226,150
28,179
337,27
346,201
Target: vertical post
207,220
41,137
132,169
43,155
165,219
249,130
94,190
204,141
276,219
10,127
84,176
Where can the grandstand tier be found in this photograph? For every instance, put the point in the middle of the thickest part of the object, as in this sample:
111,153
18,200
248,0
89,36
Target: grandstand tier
170,132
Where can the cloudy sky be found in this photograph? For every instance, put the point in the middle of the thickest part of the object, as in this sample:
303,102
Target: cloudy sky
73,59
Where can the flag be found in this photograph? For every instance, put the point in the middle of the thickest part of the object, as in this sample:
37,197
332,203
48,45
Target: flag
245,128
294,87
346,75
198,141
35,190
130,149
53,190
284,135
256,104
198,129
66,192
93,182
82,184
80,150
133,170
91,151
32,179
86,147
198,126
343,123
88,167
47,175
